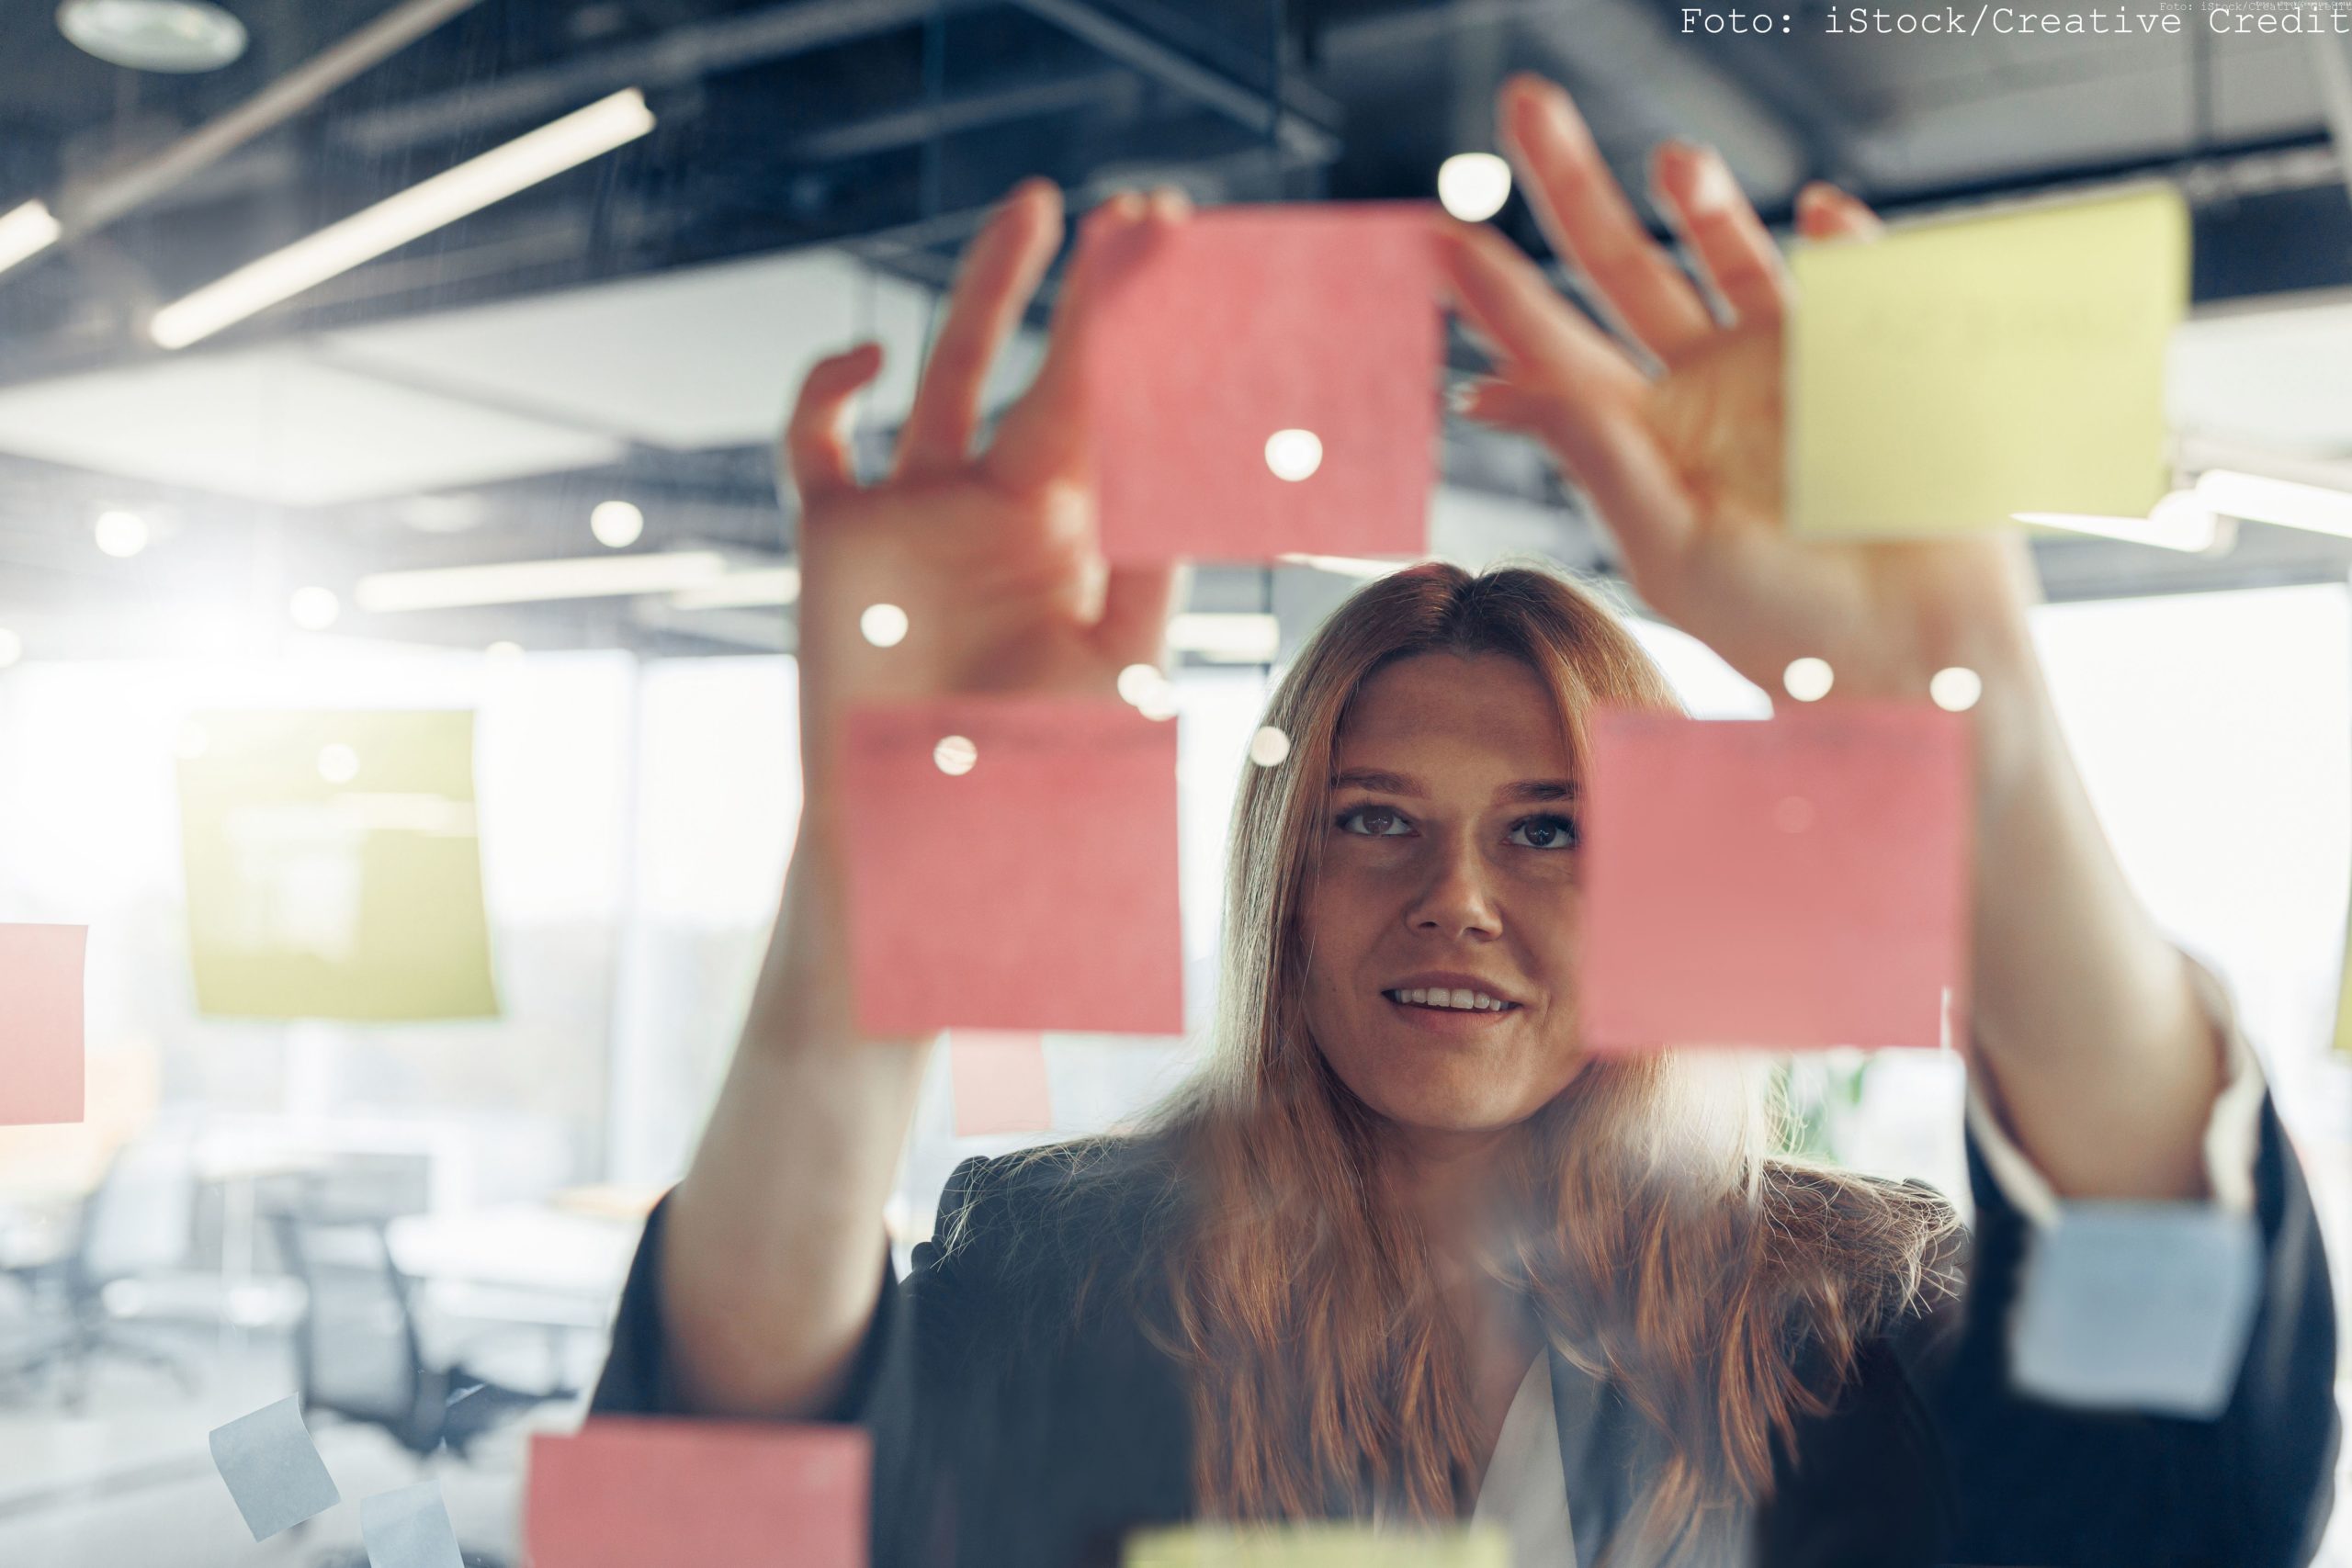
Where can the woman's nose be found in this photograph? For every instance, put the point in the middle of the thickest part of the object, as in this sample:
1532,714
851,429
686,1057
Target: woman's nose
1456,900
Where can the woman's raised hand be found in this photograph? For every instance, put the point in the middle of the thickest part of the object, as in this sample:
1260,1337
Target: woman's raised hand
772,1259
1683,455
992,554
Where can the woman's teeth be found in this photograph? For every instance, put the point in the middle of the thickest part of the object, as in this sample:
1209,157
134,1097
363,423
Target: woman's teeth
1469,1002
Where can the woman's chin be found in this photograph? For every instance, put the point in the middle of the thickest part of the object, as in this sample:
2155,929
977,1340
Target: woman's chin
1455,1104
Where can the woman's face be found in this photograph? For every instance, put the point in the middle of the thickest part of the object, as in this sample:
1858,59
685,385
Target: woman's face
1440,924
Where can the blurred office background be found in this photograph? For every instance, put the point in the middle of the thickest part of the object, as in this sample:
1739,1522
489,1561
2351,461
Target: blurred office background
516,473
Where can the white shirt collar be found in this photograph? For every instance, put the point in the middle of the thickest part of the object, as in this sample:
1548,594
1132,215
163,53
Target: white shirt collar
1525,1493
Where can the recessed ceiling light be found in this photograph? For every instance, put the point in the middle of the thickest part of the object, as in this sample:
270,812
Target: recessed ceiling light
314,609
617,524
154,35
121,534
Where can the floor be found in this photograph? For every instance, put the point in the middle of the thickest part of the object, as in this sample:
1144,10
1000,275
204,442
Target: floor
129,1479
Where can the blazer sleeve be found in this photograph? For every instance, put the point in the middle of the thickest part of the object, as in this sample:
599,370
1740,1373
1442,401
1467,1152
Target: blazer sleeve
640,1376
911,1382
2034,1482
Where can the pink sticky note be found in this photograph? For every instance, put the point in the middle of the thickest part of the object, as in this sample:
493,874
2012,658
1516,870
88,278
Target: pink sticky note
41,1023
1793,883
1313,329
998,1076
1033,889
637,1494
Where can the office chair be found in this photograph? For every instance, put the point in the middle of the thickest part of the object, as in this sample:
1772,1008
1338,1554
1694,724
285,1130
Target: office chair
137,1223
358,1354
31,1342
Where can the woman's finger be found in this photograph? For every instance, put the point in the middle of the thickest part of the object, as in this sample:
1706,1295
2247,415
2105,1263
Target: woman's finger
1508,302
1592,225
1728,240
1569,386
1504,405
1043,437
999,273
1136,603
1824,212
816,452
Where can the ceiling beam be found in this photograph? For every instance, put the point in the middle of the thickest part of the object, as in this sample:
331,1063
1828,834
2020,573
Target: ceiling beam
922,122
94,203
1827,132
1654,87
2332,58
676,57
1312,138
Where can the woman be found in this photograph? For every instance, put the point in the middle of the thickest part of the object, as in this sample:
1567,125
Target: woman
1406,1252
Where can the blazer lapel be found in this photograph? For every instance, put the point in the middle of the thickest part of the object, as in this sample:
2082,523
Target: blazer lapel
1605,1443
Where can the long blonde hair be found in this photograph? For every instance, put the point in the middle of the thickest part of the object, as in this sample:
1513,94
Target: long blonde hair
1658,1242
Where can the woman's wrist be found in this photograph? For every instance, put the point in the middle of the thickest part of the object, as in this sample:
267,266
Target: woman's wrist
2016,742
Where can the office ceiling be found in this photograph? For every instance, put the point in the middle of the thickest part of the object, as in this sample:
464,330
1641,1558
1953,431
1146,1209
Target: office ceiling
630,328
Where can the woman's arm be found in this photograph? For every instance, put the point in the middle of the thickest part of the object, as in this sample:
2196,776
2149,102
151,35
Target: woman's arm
2104,1063
2083,1013
773,1248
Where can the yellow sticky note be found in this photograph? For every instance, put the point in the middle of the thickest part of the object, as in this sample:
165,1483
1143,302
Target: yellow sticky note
332,865
1948,375
1317,1546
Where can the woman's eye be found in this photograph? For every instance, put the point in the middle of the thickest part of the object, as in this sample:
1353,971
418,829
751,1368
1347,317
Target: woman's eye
1374,822
1544,833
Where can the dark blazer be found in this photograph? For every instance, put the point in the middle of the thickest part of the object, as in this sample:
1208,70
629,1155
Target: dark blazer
1024,1417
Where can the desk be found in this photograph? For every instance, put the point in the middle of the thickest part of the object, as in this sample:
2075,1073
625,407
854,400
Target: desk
525,1247
523,1264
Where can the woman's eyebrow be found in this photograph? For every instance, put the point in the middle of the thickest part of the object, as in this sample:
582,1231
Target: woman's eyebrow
1379,781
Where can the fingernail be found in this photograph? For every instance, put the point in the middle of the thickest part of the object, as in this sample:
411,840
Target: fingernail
1712,189
1558,106
1027,190
1115,212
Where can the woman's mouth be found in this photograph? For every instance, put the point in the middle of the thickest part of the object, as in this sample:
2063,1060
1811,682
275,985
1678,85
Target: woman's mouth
1441,999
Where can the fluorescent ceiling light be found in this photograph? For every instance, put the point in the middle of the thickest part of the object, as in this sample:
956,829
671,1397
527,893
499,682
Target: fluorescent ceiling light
26,232
2181,521
418,211
763,588
2283,502
1246,637
1345,566
528,582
